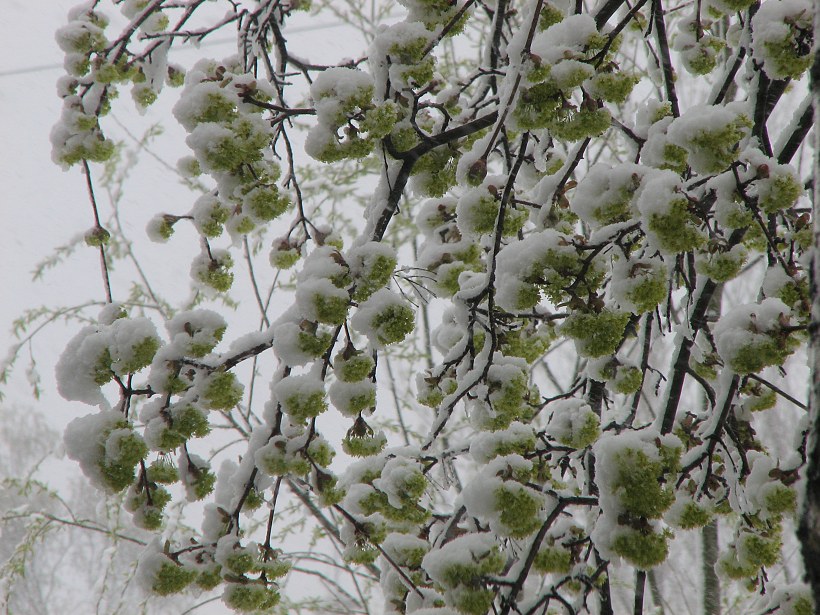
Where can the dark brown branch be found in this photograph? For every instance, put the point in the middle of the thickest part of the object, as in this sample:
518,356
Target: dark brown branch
97,226
533,551
797,137
640,584
779,391
666,60
607,11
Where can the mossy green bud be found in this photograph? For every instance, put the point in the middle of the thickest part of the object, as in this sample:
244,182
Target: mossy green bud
97,237
638,484
553,560
780,499
223,391
676,230
520,510
393,324
643,550
144,95
284,256
163,472
596,335
354,367
693,516
172,579
250,598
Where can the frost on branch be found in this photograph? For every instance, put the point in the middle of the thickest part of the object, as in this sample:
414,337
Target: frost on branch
548,349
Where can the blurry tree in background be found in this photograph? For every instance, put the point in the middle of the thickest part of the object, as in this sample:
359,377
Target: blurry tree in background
533,322
46,533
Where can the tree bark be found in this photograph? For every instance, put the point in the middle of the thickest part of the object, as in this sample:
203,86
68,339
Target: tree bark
711,582
809,527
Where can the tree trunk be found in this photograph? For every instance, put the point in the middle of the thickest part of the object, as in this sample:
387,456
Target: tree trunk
710,548
654,587
809,528
711,582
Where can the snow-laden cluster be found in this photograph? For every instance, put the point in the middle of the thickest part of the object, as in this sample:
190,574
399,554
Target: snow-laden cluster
221,107
97,66
343,99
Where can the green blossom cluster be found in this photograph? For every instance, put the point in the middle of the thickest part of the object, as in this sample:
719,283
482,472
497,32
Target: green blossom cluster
549,16
276,460
647,286
639,484
222,391
365,445
376,274
85,44
596,334
284,256
553,559
700,58
527,343
693,516
751,551
250,597
172,578
762,351
452,264
230,140
559,269
410,61
186,421
200,481
216,272
676,230
353,365
713,150
465,582
583,434
409,489
643,549
615,86
519,509
510,397
480,216
303,406
118,471
162,472
393,323
350,121
435,172
146,502
721,265
778,192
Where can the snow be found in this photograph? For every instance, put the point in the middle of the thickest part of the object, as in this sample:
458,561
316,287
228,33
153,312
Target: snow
747,325
484,445
462,551
564,39
770,25
75,369
345,396
363,321
604,185
394,475
85,441
702,120
150,561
